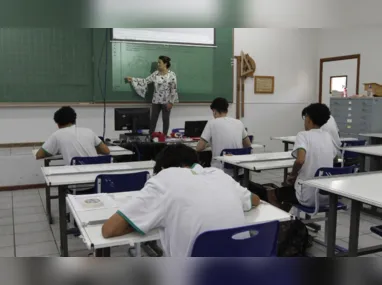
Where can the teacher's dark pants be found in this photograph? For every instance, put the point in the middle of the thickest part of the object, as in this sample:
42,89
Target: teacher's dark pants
155,111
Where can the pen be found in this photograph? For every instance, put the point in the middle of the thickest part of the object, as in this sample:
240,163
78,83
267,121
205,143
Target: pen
92,223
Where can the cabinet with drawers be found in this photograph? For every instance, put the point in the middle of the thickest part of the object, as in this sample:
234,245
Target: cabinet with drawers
357,115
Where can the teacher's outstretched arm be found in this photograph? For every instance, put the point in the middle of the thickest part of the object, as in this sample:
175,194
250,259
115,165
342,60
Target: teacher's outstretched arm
140,85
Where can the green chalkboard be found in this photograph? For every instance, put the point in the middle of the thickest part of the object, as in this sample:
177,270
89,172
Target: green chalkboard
203,73
43,65
46,65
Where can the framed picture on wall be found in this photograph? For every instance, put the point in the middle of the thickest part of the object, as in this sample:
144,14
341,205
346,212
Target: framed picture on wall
264,84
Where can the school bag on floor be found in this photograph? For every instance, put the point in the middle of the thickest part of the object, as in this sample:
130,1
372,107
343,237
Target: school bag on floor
293,239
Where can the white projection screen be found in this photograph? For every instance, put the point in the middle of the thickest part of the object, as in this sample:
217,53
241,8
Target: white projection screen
176,36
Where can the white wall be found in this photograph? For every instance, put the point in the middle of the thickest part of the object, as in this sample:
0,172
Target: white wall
364,41
289,55
36,124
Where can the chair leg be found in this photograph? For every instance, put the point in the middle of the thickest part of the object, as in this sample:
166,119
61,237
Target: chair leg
325,242
326,228
315,227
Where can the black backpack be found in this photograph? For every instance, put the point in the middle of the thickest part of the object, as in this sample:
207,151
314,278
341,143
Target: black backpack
293,239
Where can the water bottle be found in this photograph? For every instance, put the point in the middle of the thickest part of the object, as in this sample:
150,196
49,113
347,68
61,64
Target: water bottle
370,91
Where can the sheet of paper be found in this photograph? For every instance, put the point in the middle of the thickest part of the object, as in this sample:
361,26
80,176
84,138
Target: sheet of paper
92,202
121,199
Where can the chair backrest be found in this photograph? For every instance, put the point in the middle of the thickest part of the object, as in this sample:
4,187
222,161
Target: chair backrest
235,151
178,130
349,154
331,171
91,160
112,183
262,242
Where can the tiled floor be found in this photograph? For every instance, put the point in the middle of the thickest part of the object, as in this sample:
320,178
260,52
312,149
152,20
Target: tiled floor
25,231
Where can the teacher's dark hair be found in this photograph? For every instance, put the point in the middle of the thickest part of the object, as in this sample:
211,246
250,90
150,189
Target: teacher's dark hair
178,155
166,60
220,105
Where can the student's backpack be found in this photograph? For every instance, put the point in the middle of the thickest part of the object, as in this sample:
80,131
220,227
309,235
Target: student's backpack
293,239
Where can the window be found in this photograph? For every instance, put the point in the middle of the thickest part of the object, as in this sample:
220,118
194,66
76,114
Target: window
337,83
176,36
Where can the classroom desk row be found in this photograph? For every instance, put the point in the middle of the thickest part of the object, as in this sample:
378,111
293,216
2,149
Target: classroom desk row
84,174
257,162
90,221
359,188
64,176
115,151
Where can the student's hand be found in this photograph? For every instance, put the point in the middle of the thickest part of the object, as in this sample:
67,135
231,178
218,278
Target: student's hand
255,200
128,79
169,106
291,179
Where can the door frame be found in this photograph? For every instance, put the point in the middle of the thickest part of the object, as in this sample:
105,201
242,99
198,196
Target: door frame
338,58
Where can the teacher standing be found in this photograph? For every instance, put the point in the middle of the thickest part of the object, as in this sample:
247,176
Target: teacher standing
165,92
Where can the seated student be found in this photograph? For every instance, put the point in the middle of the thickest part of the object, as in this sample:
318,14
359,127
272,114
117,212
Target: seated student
222,132
313,149
71,141
182,200
330,127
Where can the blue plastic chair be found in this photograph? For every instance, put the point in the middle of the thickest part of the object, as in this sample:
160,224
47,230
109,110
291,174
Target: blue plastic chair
262,242
88,189
326,171
178,130
235,151
113,183
91,160
377,230
348,155
312,211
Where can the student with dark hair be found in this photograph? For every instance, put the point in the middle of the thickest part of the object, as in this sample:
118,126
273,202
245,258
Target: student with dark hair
70,140
165,92
182,200
332,128
313,149
222,132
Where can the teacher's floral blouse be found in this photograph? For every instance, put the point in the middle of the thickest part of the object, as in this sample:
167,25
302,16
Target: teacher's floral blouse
165,87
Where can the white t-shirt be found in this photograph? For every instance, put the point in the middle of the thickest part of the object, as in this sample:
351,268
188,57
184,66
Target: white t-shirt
224,133
72,142
320,152
183,203
332,128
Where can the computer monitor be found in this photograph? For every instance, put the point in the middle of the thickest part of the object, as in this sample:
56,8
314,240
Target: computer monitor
194,129
131,120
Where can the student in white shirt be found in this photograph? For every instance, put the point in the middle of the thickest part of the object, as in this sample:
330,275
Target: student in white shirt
71,141
223,132
313,149
182,200
332,128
